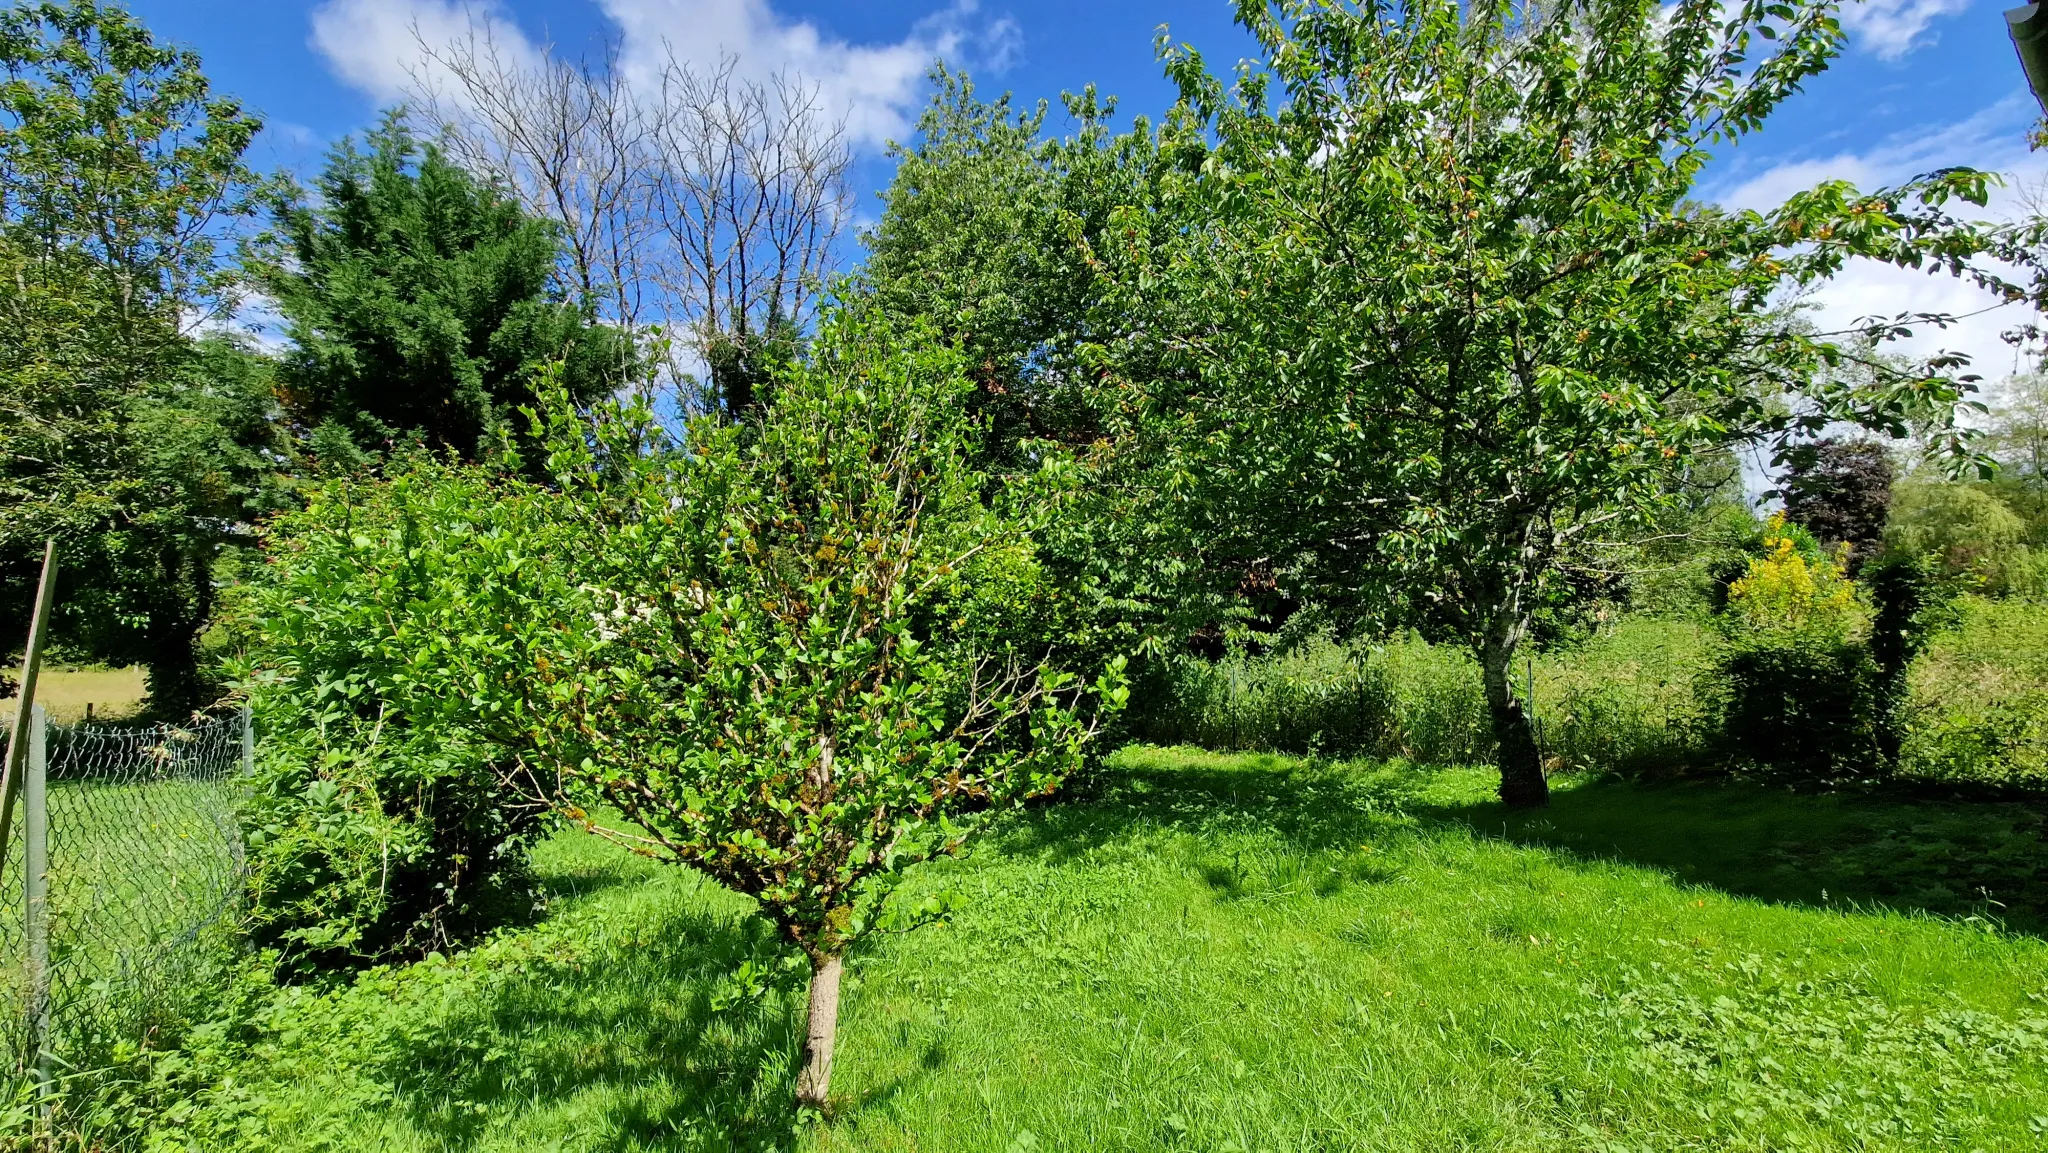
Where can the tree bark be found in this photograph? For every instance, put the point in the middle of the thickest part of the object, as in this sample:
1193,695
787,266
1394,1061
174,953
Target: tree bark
814,1083
1522,785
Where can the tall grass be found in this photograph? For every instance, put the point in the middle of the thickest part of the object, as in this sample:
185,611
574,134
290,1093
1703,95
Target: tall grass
1977,703
1405,698
1633,694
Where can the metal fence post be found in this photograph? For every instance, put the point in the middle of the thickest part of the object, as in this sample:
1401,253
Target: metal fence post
248,771
35,883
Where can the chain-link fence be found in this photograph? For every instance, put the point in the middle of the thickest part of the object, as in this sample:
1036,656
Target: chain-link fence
128,864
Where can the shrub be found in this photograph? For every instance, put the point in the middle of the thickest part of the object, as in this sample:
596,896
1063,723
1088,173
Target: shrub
1800,686
1968,531
1801,704
378,828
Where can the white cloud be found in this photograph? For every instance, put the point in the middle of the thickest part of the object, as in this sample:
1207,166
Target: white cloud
1993,139
372,45
1891,28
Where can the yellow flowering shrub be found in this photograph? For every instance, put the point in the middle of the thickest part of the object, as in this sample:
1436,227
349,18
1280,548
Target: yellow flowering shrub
1783,589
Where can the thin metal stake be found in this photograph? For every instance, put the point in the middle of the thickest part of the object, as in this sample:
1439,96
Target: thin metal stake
35,885
248,771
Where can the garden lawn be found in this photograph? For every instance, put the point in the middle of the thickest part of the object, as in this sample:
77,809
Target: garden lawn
1196,951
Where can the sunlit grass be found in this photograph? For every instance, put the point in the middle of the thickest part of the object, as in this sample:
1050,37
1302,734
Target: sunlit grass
114,694
1195,951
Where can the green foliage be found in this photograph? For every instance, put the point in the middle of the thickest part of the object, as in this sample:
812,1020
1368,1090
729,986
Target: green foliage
2018,440
378,643
1491,346
988,233
1404,698
1640,695
985,234
207,457
806,654
120,173
1801,692
1241,951
1905,604
420,300
1634,695
1691,556
115,151
1805,706
1969,532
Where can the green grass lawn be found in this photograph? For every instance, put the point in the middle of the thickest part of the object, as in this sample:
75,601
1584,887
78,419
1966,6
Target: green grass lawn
64,693
1208,952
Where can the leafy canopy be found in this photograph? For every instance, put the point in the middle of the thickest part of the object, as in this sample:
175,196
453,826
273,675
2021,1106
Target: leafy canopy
807,658
136,446
1432,307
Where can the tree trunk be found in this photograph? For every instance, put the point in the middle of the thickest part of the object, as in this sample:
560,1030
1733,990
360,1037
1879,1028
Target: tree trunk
171,633
814,1083
1521,764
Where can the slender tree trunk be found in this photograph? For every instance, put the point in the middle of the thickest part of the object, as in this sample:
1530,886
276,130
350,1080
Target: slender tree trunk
814,1083
1521,764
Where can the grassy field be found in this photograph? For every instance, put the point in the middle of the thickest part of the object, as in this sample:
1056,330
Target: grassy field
113,693
1197,951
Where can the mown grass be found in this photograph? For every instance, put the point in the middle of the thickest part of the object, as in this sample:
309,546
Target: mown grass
1197,951
114,694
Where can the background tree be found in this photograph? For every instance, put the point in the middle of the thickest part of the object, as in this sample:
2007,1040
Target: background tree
120,175
2017,437
983,232
206,457
1840,491
1965,530
420,298
1446,310
989,232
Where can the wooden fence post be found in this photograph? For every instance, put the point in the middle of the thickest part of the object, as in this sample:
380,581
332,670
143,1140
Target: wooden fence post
31,666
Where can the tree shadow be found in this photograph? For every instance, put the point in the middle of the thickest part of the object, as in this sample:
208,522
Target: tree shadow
1948,857
630,1042
1314,808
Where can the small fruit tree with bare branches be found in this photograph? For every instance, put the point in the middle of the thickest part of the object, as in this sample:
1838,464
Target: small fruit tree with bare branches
805,658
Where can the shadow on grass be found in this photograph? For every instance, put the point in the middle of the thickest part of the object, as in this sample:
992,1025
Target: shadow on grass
615,1048
1951,858
1313,809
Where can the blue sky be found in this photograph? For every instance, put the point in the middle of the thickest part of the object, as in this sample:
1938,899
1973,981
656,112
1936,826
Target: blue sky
1925,84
